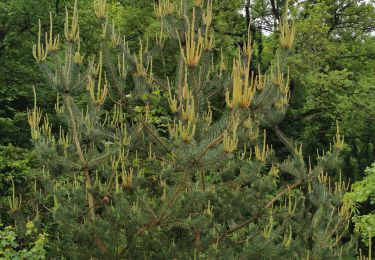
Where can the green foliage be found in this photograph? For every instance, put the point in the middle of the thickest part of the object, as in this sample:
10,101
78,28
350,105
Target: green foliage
333,74
15,163
363,192
19,177
18,25
32,249
16,166
334,53
18,22
154,163
145,166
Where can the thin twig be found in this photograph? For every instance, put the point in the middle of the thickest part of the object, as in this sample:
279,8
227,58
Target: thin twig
162,215
284,140
166,148
208,147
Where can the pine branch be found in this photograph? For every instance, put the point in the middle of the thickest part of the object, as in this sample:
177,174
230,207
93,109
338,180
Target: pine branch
99,159
284,140
111,70
304,115
247,222
86,173
297,184
163,214
74,128
90,198
208,147
157,82
157,138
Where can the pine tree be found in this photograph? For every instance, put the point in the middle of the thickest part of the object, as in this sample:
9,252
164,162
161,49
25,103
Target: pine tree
203,181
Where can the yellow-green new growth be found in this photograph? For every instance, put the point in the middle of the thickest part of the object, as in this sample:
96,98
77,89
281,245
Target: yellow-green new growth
287,31
59,109
124,134
338,141
141,70
172,101
150,73
208,42
248,124
34,115
207,15
253,134
47,129
78,58
186,132
52,43
39,51
160,37
230,142
247,48
116,117
288,238
193,50
243,89
92,68
223,63
104,30
64,140
208,211
261,155
291,205
14,202
188,111
163,8
260,80
322,177
208,114
198,3
100,8
126,177
72,33
116,36
101,92
122,69
267,231
279,79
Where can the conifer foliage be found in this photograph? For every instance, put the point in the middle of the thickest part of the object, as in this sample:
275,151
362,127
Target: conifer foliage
203,183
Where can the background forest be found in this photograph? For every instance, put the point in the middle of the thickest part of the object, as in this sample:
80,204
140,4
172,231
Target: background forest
331,76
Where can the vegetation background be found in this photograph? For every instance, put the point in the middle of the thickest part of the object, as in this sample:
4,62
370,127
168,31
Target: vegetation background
332,79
